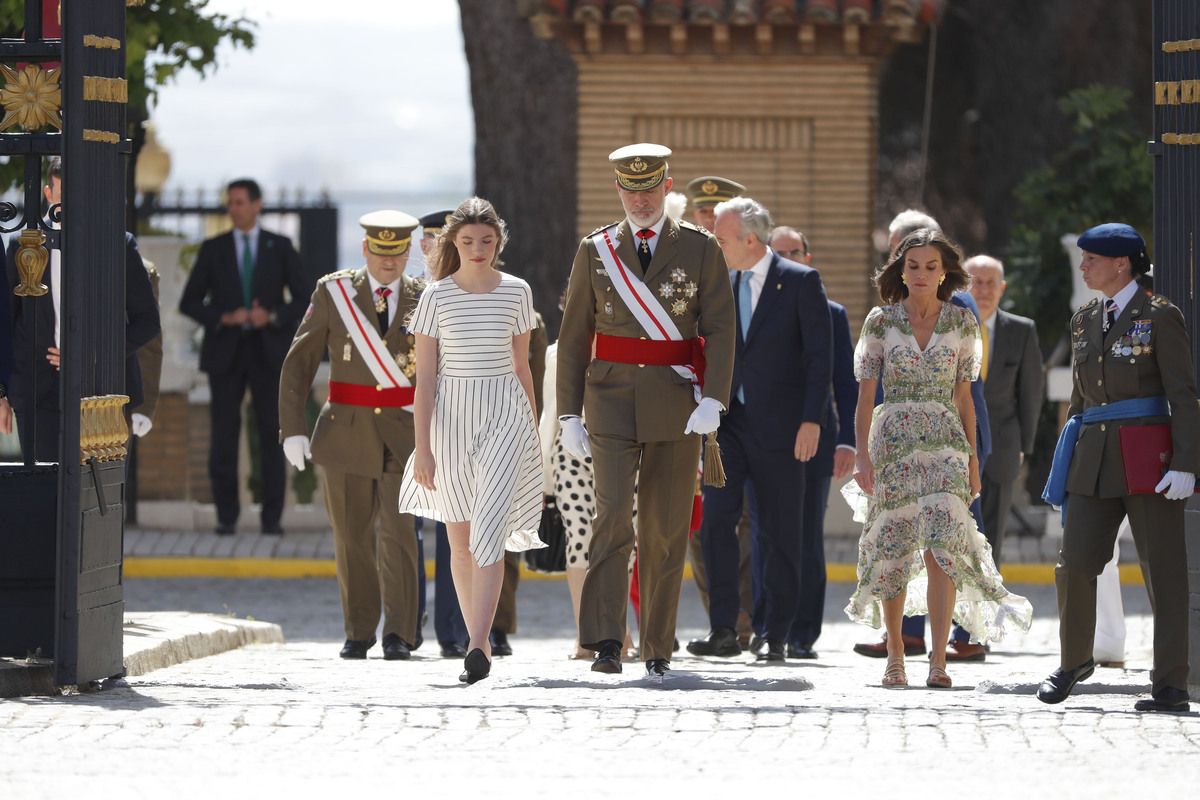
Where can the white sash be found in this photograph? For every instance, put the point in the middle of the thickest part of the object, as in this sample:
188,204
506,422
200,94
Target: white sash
366,339
642,303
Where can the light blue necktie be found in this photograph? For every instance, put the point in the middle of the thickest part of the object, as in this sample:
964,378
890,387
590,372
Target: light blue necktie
744,312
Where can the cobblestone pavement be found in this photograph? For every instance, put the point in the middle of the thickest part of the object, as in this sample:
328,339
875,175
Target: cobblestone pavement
295,719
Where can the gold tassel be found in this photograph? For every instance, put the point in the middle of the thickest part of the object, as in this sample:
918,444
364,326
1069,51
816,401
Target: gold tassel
714,471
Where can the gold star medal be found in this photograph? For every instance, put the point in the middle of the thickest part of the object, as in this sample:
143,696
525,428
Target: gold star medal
679,308
678,275
690,289
666,289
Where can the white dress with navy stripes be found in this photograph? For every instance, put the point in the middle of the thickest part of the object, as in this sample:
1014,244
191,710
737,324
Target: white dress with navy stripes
487,462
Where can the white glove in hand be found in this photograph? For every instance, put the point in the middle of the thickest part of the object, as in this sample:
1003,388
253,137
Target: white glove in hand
575,438
141,424
295,449
1178,485
706,418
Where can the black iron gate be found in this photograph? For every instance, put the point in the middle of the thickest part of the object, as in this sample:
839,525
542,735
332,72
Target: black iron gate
83,634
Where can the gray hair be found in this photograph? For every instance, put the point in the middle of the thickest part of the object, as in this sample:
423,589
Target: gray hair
755,219
910,220
984,261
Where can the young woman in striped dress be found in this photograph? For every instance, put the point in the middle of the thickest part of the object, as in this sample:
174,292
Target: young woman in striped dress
477,463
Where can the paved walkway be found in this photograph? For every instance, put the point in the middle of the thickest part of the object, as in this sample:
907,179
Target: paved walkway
293,720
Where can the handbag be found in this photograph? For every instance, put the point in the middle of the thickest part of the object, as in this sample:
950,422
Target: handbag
552,531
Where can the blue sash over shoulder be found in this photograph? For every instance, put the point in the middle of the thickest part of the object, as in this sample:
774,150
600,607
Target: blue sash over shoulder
1056,486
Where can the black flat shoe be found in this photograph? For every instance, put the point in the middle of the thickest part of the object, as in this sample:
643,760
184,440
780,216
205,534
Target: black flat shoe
770,650
1058,685
1168,699
800,651
395,648
357,648
477,667
499,642
657,667
453,650
608,657
721,641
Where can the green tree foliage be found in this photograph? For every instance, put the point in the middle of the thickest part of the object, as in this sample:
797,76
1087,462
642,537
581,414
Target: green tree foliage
1102,175
163,39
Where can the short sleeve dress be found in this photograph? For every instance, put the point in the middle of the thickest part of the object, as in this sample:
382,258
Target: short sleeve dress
488,465
922,490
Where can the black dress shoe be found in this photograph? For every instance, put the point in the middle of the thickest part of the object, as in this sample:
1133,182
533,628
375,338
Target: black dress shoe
608,657
453,649
801,651
1057,687
357,648
771,650
395,648
657,667
226,528
272,529
1168,699
721,641
476,667
499,642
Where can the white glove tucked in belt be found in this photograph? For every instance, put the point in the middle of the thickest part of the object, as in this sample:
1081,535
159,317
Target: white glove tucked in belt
574,437
295,449
1177,485
706,418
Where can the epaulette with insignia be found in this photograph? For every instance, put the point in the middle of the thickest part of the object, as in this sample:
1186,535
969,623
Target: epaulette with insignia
333,276
1088,304
1159,301
685,225
413,285
603,227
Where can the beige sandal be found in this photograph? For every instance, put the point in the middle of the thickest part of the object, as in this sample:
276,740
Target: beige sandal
938,679
893,674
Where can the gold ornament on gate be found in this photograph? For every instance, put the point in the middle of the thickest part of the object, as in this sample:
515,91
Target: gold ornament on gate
31,97
31,259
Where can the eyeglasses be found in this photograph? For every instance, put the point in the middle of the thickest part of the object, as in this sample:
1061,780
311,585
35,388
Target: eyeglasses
792,255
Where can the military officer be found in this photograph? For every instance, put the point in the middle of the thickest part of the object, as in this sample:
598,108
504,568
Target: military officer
1132,366
364,433
647,289
705,192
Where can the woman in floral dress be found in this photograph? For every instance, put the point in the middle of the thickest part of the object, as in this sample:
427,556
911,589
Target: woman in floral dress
920,550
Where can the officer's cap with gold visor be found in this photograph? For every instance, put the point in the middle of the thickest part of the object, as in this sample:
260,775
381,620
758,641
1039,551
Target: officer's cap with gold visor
640,167
388,233
711,190
434,221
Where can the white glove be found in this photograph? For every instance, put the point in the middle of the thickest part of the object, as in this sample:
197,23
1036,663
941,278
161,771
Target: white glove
295,449
141,424
706,418
1178,485
575,438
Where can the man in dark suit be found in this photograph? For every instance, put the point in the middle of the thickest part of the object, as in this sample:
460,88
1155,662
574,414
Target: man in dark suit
781,376
39,371
1013,386
236,291
834,460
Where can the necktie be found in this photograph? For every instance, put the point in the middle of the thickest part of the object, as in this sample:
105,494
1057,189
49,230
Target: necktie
1110,314
984,367
247,273
744,313
644,247
381,307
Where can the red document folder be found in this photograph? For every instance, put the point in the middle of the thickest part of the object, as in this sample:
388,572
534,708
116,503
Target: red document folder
1146,456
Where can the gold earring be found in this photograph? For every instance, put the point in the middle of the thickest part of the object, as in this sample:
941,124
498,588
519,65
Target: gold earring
942,279
904,279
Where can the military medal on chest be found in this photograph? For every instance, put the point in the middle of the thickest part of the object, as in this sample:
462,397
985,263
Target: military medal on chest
677,291
407,362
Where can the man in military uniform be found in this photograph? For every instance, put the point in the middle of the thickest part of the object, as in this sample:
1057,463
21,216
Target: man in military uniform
706,192
364,434
1132,365
646,290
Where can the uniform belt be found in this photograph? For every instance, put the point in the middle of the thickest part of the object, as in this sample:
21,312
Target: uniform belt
628,350
354,394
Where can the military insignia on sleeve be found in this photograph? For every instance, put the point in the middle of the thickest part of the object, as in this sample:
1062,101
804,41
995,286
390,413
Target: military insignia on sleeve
308,313
678,275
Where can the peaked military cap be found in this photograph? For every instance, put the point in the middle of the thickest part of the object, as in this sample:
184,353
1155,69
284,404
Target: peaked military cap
711,190
388,232
434,221
640,166
1112,240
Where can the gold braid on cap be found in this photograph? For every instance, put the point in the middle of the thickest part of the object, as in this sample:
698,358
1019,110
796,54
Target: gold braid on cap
385,244
637,182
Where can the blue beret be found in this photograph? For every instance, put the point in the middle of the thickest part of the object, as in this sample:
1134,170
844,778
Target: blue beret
1112,239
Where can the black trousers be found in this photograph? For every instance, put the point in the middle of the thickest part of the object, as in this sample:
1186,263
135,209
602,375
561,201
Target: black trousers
249,368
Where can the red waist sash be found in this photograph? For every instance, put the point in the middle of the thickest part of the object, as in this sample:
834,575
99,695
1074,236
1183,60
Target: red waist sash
669,353
354,394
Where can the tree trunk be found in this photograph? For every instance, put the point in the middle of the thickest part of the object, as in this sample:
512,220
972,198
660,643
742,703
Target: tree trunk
523,90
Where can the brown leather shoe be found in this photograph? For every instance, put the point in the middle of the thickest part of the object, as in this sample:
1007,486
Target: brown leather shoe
965,651
913,646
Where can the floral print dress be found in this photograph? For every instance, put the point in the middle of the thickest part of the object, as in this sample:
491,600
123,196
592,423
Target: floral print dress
922,492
